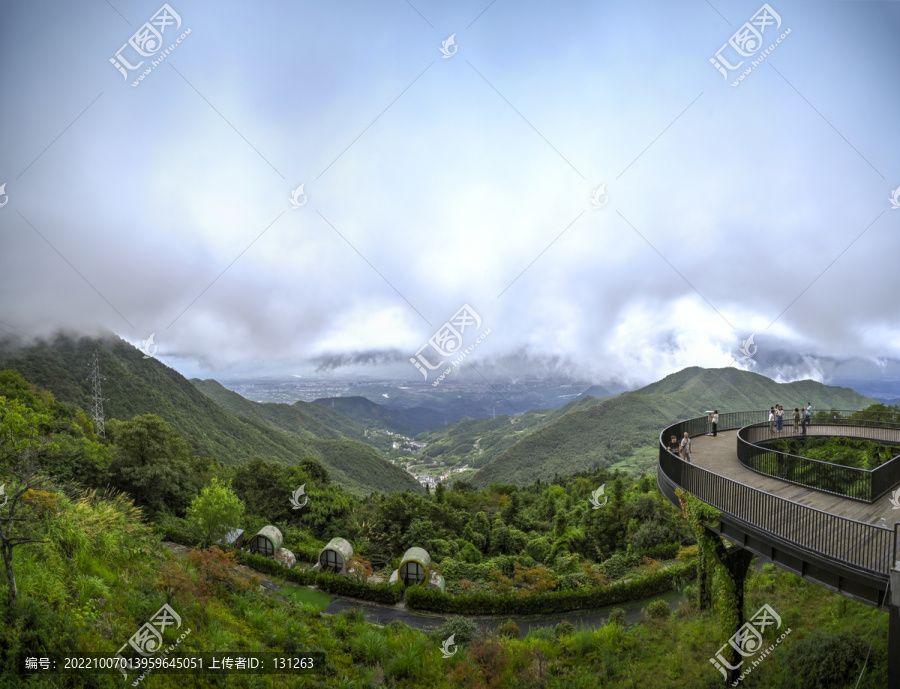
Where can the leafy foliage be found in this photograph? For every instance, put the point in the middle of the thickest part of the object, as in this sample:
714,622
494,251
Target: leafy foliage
658,609
823,660
215,511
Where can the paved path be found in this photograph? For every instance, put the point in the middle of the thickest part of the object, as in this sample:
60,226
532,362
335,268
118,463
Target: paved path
719,455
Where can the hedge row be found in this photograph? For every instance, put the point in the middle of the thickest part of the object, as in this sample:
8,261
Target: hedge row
389,594
486,603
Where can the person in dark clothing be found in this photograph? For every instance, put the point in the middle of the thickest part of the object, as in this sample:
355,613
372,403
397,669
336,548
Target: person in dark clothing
673,445
715,423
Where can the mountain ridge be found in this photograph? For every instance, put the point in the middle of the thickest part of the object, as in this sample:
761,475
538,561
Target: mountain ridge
134,385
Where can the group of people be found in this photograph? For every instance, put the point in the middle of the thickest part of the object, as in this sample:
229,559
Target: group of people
802,418
682,449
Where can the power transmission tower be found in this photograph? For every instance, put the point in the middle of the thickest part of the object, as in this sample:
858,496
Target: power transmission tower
97,409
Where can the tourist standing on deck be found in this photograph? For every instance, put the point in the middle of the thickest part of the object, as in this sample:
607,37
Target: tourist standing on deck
771,420
797,419
779,417
686,447
715,423
673,445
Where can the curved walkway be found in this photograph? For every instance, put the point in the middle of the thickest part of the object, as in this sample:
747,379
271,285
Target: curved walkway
719,455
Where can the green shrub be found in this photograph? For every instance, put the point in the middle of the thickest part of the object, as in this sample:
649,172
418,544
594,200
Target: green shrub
822,660
508,629
658,609
463,630
651,535
614,567
617,616
469,553
564,628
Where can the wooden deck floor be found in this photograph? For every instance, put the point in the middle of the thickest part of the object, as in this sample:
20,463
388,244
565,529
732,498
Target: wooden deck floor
719,455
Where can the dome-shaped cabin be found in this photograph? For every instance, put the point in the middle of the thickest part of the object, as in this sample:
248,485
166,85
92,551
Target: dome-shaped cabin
267,541
414,566
334,556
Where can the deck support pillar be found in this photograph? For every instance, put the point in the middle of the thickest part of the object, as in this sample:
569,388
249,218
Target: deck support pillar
735,563
893,651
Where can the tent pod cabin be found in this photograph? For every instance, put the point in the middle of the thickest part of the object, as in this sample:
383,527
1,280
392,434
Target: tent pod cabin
414,566
415,569
267,541
334,556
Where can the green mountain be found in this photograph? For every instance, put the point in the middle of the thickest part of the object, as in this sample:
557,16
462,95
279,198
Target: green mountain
409,421
134,385
302,418
622,431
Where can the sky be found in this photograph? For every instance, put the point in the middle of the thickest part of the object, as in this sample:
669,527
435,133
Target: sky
577,188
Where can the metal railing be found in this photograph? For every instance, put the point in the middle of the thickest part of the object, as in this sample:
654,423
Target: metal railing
866,485
863,546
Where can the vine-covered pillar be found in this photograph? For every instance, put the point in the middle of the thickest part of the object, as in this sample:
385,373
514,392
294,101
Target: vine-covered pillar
894,631
732,567
695,513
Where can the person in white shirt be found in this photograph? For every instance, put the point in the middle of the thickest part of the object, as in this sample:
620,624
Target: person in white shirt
715,423
771,420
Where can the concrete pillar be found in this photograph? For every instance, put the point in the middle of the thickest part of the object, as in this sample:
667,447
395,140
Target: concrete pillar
894,631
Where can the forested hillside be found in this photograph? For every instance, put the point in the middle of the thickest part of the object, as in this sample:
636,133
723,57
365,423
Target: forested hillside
134,385
623,430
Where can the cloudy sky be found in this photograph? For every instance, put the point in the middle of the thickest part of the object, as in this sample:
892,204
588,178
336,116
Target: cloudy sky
451,154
